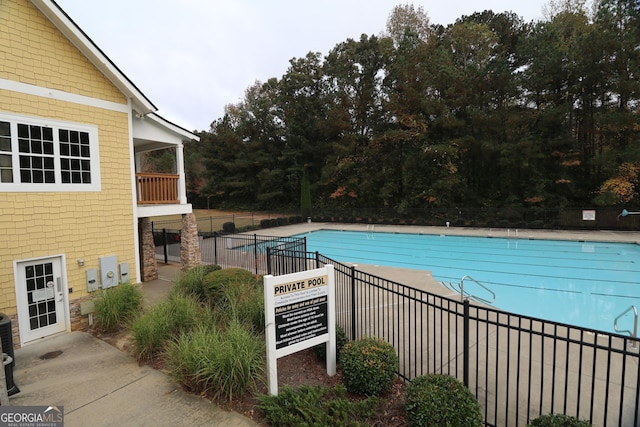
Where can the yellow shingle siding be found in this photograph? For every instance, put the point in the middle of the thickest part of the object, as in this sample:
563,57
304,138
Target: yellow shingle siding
84,225
33,51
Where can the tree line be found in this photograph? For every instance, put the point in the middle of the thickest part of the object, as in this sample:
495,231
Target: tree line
487,112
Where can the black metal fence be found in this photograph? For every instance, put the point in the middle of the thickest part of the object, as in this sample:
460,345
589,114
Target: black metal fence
518,367
248,251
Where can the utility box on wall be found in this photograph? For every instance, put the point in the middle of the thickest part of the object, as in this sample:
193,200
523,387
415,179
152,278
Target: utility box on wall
108,271
92,280
124,272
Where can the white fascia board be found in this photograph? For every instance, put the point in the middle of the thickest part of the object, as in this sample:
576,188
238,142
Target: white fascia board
185,134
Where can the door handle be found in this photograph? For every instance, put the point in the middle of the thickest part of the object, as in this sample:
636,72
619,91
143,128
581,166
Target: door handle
58,289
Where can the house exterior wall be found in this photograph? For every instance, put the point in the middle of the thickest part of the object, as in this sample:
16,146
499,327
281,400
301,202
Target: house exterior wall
80,224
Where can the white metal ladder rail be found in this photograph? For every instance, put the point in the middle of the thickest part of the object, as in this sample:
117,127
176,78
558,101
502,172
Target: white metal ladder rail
475,297
633,334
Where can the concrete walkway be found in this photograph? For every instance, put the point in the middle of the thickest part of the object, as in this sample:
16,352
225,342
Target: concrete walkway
99,385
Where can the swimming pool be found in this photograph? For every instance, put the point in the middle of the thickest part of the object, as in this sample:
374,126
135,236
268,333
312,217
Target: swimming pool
585,284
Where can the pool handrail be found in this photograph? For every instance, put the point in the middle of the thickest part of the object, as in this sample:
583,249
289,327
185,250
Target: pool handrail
633,334
475,297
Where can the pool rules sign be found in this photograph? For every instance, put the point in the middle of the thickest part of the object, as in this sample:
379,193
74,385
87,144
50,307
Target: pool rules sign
299,313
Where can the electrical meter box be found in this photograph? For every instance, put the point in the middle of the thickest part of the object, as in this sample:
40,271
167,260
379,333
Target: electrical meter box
108,271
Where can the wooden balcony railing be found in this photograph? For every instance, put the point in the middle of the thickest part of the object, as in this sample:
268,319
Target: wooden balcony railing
157,188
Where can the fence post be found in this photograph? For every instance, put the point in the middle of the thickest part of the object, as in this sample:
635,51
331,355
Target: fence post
255,251
353,303
269,260
215,247
164,245
465,345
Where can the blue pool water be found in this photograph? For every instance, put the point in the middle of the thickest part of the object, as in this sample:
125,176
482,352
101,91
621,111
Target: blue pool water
585,284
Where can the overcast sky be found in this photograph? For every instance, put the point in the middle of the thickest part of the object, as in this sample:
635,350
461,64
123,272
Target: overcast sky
193,57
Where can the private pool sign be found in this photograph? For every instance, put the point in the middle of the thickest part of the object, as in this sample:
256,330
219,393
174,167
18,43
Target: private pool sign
299,313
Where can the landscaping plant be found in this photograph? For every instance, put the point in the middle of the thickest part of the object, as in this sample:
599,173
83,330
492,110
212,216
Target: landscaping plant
163,321
190,282
558,420
441,400
117,306
220,362
316,406
369,366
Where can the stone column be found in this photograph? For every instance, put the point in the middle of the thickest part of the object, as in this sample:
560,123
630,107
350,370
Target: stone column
189,242
149,262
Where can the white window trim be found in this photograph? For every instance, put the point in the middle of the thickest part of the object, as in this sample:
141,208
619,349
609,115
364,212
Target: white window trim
94,148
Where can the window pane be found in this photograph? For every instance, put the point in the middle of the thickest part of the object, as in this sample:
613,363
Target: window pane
23,131
5,161
38,177
6,175
47,148
36,132
5,143
5,129
25,176
47,134
23,146
36,147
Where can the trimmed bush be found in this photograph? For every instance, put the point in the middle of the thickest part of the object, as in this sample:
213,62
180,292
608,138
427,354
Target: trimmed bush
441,400
558,420
117,306
320,351
190,282
220,363
265,223
369,366
215,283
229,227
316,406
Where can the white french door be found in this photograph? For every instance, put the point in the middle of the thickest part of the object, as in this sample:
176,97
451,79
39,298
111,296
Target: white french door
40,291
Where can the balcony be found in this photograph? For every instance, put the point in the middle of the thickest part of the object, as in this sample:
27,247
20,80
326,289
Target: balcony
157,188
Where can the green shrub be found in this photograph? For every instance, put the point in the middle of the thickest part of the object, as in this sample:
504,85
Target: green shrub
190,282
215,283
320,351
153,329
441,400
236,294
265,223
221,363
368,366
558,420
117,306
229,227
316,406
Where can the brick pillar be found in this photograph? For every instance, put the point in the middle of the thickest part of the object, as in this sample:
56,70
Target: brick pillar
149,263
189,242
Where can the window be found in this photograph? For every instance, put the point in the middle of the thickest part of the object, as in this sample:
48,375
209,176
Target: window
51,156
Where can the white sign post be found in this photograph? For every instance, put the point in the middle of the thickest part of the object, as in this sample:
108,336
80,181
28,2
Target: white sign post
300,312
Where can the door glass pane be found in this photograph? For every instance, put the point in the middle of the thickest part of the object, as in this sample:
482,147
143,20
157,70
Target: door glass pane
40,286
